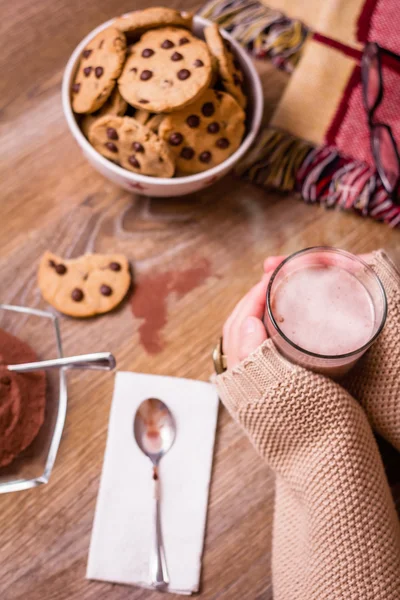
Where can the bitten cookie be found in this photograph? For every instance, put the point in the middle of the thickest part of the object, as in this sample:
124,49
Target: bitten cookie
86,286
139,21
132,145
229,67
166,70
114,106
205,133
101,64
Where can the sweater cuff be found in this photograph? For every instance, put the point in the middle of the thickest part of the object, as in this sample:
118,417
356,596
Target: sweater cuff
263,369
386,271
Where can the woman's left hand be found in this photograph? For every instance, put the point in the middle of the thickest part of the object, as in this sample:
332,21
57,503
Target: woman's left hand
244,330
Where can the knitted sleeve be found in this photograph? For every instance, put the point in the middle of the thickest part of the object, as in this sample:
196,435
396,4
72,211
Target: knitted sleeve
375,379
336,534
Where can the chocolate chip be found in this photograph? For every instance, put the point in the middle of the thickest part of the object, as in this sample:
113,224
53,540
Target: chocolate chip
61,269
134,70
111,147
236,64
77,295
205,157
112,133
52,264
98,72
198,63
167,83
145,75
87,53
76,87
87,71
208,109
183,40
176,56
147,52
213,127
143,101
187,153
138,147
167,44
175,139
222,143
105,290
114,266
5,380
183,74
236,79
193,121
134,162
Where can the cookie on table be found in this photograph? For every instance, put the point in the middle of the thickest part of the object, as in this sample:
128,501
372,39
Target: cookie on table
167,69
205,133
132,145
229,67
114,106
100,65
86,286
139,21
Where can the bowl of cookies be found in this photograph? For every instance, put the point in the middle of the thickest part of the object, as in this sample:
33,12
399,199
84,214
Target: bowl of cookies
162,102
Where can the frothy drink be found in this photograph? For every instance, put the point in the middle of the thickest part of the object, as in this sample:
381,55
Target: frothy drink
324,308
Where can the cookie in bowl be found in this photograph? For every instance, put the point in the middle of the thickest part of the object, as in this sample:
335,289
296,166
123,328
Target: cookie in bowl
167,69
204,133
100,65
138,21
132,145
228,65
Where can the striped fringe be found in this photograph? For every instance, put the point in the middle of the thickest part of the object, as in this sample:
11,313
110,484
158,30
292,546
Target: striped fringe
321,175
274,160
264,32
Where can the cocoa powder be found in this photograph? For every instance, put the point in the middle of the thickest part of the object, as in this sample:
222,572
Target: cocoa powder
22,398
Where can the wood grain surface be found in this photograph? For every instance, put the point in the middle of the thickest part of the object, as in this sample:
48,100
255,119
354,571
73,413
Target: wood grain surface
193,259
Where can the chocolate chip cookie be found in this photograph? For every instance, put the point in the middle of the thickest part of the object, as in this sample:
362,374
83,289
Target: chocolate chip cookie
114,106
133,146
139,21
205,133
100,65
86,286
167,69
229,67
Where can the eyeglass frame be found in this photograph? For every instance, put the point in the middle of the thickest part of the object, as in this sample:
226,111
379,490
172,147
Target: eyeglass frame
372,124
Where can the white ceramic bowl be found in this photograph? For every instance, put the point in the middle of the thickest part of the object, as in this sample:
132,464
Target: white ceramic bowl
157,186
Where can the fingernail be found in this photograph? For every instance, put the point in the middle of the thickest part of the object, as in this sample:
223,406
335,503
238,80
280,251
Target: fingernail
249,325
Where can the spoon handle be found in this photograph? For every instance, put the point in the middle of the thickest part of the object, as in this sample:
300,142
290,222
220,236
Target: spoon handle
158,565
103,361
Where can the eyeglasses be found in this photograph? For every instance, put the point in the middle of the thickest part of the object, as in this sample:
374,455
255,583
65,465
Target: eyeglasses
383,145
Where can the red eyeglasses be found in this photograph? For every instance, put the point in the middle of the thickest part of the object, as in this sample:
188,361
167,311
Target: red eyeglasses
383,145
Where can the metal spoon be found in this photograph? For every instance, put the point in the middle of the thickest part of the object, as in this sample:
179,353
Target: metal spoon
101,361
155,429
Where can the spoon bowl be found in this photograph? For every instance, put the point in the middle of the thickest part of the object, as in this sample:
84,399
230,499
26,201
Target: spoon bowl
154,429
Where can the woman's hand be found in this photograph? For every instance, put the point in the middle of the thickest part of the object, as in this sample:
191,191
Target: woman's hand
244,330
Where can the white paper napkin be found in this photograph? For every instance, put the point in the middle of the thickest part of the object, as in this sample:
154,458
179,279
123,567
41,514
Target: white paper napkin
123,524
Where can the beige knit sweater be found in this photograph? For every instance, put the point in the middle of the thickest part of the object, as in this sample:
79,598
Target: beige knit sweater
336,534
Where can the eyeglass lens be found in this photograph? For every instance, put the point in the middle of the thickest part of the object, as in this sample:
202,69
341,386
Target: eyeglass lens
371,78
386,156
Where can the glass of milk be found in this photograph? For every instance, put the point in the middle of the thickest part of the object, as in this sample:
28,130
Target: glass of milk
324,309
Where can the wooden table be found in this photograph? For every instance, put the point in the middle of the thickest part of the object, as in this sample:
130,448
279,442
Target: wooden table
211,246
